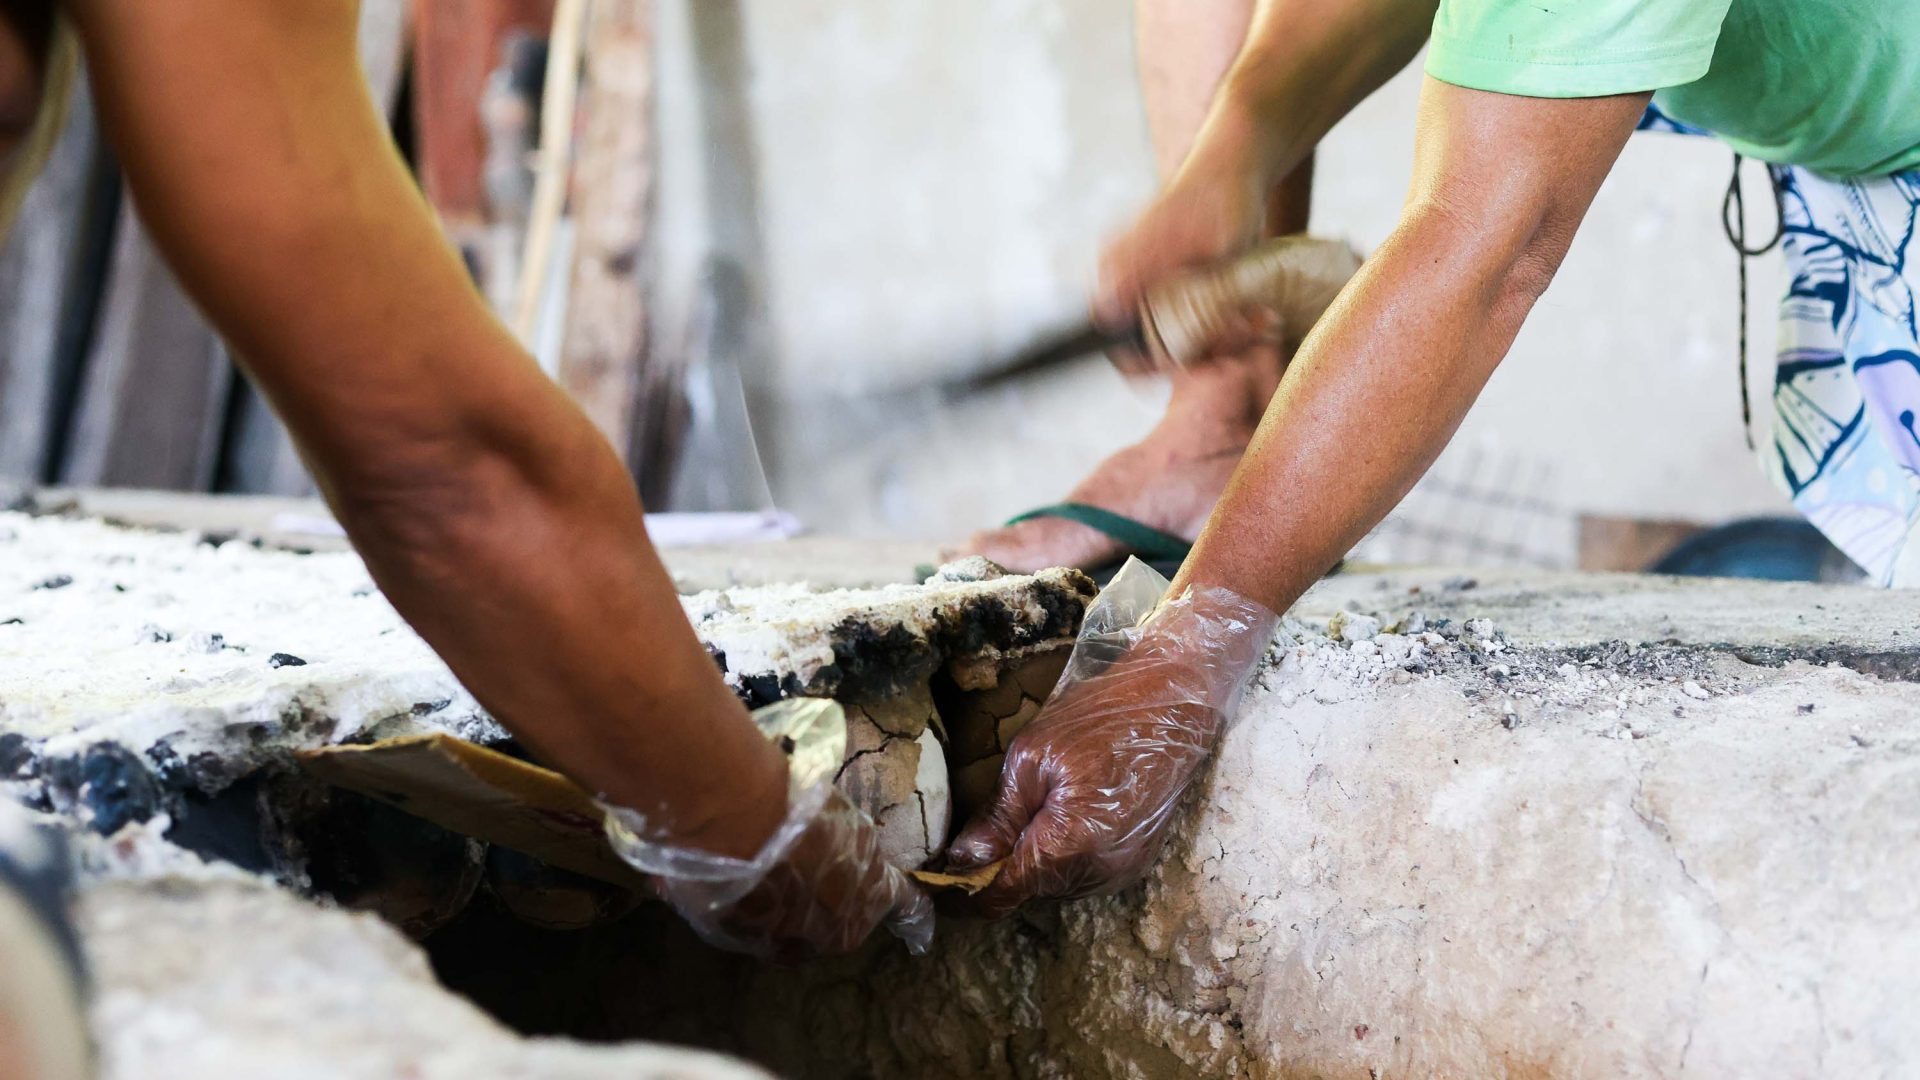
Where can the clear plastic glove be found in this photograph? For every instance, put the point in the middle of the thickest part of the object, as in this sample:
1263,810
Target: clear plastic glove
818,886
1089,786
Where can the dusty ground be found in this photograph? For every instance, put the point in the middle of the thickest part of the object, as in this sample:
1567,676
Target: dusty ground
1614,849
1579,825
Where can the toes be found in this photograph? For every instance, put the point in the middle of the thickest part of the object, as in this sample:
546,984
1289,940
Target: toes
1043,543
1006,546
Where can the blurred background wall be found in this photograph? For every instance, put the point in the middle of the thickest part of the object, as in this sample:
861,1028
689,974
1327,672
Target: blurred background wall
852,201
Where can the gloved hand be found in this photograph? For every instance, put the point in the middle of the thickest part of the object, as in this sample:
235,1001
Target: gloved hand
1089,786
818,886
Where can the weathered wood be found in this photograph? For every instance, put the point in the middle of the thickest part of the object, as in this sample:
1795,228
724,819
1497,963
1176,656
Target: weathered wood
604,355
559,100
153,397
46,250
456,46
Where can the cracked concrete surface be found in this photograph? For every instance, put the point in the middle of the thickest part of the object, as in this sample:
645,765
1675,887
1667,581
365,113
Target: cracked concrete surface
154,686
1569,826
1663,861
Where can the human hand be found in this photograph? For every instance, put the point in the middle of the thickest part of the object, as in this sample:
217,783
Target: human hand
1089,786
1212,210
818,885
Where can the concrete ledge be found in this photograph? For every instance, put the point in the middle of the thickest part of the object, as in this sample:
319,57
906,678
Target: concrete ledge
1569,826
1481,857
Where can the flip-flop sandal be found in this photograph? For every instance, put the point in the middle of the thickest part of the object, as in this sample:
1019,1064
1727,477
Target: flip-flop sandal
1161,550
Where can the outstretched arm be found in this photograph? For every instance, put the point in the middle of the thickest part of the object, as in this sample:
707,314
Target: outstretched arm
1304,64
1500,186
489,510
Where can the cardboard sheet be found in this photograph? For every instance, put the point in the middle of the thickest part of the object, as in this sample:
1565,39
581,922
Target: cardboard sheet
488,795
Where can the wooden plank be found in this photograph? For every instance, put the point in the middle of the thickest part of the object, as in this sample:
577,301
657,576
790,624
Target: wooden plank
604,354
154,394
457,46
482,793
48,250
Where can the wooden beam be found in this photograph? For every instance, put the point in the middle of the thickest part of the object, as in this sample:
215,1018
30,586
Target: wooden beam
604,354
456,46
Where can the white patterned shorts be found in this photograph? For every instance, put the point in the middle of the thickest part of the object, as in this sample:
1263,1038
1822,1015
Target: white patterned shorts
1845,438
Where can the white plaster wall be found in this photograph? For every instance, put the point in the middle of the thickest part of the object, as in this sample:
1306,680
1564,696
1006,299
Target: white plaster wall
932,183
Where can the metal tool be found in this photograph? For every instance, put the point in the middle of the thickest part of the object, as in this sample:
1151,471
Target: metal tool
1295,277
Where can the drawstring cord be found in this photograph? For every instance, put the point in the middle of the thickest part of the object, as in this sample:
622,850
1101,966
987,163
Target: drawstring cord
1733,218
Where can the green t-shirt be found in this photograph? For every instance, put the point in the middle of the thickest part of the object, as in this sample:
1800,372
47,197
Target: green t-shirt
1833,85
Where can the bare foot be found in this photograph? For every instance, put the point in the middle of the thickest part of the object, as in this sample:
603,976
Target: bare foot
1169,480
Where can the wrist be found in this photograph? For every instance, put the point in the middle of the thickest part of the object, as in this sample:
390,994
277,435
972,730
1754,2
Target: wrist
1230,150
747,805
725,798
1233,629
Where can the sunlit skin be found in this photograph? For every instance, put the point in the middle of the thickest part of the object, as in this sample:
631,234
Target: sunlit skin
1500,185
491,512
1224,185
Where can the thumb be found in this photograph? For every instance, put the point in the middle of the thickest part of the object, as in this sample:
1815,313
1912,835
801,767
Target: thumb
990,836
912,917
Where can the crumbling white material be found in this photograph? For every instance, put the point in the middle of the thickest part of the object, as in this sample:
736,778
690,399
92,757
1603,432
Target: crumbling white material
164,640
139,637
793,631
200,979
1453,851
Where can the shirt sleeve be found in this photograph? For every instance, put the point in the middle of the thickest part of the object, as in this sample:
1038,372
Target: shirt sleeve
1573,48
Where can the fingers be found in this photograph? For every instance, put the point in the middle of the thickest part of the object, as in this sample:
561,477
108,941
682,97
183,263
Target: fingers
911,919
1020,879
991,835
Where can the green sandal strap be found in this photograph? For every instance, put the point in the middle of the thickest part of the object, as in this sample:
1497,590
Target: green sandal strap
1137,537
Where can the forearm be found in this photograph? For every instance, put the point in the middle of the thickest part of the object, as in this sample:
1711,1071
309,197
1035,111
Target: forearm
1500,186
1304,65
489,510
1370,400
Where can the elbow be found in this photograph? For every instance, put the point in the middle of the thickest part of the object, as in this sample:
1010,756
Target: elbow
412,510
473,496
1510,250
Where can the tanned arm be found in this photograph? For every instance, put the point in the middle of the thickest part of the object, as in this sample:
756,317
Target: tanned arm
1304,64
490,511
1500,185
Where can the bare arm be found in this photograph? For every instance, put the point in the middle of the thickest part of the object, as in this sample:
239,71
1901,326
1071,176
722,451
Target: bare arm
1500,185
1303,65
488,508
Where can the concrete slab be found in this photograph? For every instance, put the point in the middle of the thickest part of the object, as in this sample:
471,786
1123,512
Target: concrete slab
1462,851
1576,825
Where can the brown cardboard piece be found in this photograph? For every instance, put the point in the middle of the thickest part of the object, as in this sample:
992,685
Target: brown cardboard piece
488,795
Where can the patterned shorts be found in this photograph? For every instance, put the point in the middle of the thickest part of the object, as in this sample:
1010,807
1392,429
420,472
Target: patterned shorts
1845,439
